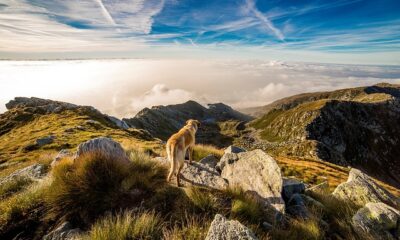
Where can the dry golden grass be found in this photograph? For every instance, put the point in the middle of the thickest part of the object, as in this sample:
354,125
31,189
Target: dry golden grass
200,151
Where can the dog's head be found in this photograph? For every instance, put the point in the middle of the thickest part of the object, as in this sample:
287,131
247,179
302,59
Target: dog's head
194,123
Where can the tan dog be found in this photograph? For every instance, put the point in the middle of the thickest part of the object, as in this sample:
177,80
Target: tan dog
178,144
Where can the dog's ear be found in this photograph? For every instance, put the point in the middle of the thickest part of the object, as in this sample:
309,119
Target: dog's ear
198,123
188,121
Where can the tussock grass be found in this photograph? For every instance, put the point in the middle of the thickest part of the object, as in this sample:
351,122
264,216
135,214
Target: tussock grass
13,186
200,151
19,205
203,200
191,227
299,229
84,190
127,225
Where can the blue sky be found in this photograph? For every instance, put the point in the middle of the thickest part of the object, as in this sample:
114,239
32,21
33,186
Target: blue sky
353,31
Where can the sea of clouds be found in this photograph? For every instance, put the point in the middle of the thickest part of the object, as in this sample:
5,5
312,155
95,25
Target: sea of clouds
124,87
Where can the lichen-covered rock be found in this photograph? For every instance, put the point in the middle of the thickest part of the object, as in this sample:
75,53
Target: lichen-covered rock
104,146
223,229
33,172
291,186
64,232
210,161
258,173
227,158
377,220
199,174
234,149
361,189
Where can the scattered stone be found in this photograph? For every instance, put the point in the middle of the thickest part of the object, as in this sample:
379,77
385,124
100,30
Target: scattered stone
291,186
105,146
33,172
210,161
61,154
223,229
199,174
377,220
234,149
311,202
45,140
361,189
258,173
81,128
267,226
296,207
64,232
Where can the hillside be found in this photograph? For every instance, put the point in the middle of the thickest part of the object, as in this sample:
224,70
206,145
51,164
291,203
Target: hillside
351,127
35,129
163,121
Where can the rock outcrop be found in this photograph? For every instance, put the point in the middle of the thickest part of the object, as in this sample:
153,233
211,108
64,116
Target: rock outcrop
361,189
291,186
258,173
199,174
33,172
234,149
104,146
223,229
377,220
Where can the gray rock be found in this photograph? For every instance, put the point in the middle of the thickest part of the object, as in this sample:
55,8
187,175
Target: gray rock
61,154
45,140
311,202
258,173
223,229
34,172
234,149
120,123
267,226
291,186
227,158
296,207
199,174
377,220
210,161
64,232
105,146
361,189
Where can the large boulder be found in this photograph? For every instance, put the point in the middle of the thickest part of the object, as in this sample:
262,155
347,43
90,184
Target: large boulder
33,172
223,229
64,232
377,220
105,146
297,207
199,174
361,189
258,173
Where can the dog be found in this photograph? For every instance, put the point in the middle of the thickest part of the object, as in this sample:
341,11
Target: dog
178,144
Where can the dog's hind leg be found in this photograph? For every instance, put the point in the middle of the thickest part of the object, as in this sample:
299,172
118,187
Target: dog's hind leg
178,174
171,158
190,149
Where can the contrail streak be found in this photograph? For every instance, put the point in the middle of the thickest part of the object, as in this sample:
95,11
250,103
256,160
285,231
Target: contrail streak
106,14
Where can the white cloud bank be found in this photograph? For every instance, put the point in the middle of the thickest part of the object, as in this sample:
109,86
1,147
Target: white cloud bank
124,87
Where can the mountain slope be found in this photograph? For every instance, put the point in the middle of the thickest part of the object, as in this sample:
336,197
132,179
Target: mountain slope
162,121
62,125
360,130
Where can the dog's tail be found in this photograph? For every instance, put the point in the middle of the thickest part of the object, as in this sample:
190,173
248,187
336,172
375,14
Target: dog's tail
171,153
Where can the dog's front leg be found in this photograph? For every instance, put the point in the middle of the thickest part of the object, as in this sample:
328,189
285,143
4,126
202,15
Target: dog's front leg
190,149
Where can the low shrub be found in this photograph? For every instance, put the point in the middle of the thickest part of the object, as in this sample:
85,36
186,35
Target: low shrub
13,186
200,151
95,183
